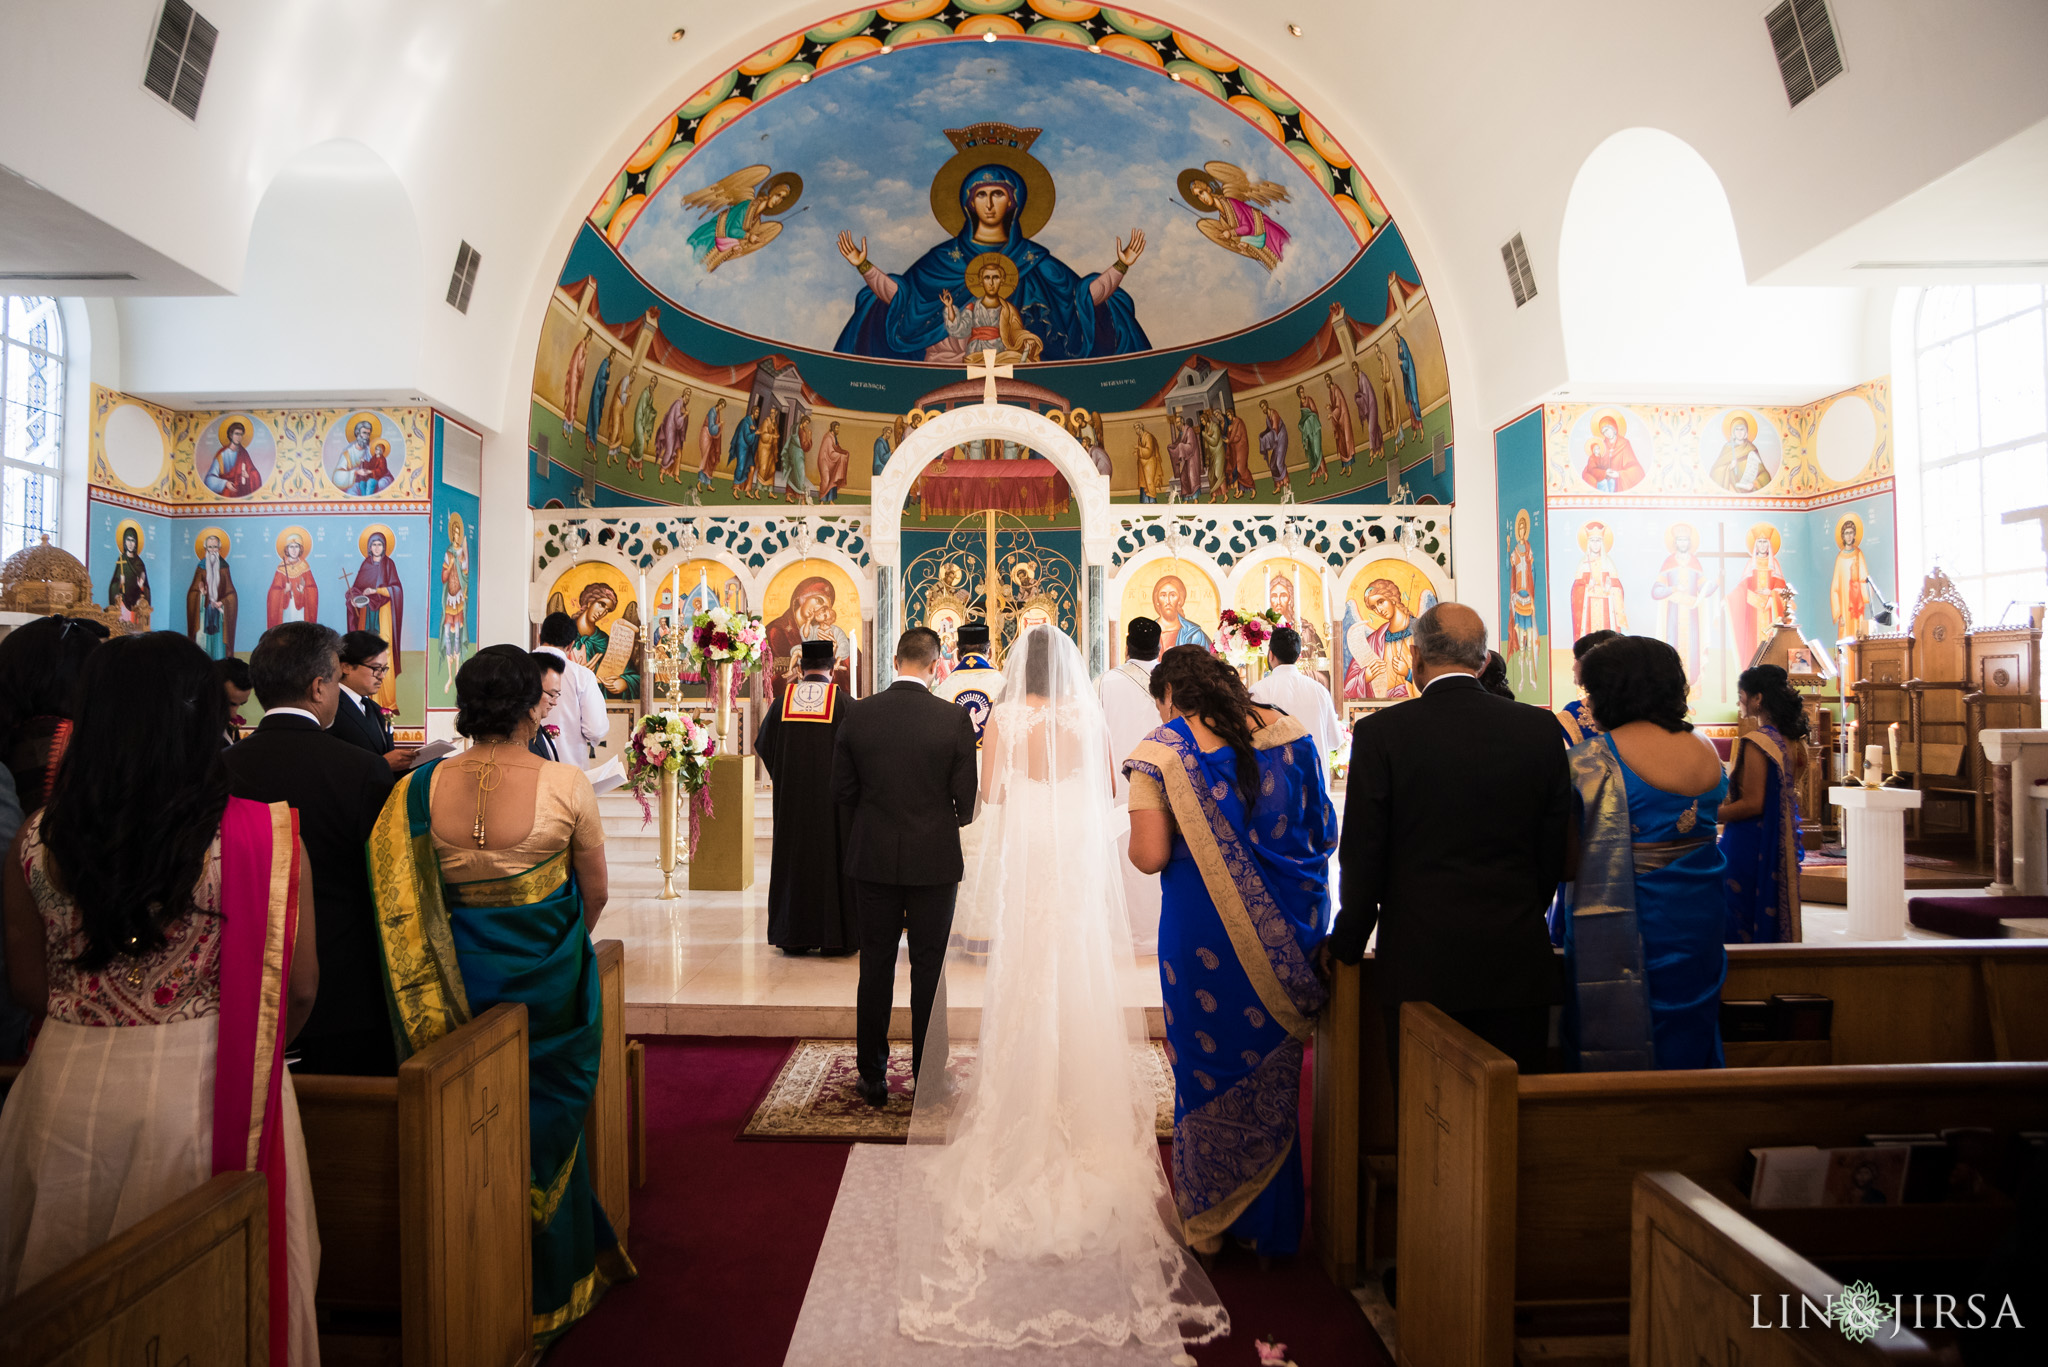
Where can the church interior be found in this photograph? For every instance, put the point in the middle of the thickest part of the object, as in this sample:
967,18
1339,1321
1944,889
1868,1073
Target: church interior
1744,308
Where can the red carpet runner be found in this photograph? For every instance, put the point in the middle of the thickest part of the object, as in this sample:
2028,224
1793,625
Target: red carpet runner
725,1233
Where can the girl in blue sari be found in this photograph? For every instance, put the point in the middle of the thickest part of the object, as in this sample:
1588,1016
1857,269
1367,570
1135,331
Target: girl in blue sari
1642,941
1228,803
1760,819
488,870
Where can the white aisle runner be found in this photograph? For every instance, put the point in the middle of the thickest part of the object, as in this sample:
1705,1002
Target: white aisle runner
849,1314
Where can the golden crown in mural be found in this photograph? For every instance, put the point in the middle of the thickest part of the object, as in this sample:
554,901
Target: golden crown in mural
992,135
993,144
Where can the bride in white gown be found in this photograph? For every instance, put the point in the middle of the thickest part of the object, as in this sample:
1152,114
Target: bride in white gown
1034,1209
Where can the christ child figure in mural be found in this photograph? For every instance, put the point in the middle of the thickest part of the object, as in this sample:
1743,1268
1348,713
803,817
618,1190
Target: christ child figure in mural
294,595
993,196
990,322
376,602
1682,587
1522,647
233,474
1611,464
1169,599
1848,600
1598,602
812,615
1381,644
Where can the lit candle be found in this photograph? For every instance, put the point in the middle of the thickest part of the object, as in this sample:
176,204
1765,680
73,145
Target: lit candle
1892,736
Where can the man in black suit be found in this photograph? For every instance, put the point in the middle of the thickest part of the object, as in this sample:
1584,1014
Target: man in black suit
365,659
337,789
904,763
550,665
1455,819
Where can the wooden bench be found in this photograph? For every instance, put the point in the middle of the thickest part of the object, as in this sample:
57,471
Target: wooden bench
1704,1277
420,1183
1962,1001
1515,1191
190,1284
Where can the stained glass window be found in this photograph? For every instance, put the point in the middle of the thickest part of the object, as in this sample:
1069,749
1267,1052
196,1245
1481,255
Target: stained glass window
1982,360
31,420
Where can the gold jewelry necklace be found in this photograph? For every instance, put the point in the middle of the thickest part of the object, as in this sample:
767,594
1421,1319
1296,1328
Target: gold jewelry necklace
487,779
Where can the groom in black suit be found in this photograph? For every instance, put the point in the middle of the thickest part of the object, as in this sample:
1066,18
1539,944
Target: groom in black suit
905,764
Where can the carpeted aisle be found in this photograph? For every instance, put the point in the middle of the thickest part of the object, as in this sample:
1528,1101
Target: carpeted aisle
725,1234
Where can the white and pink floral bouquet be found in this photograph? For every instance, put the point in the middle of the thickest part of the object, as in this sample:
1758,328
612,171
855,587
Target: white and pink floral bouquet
723,639
1240,635
668,742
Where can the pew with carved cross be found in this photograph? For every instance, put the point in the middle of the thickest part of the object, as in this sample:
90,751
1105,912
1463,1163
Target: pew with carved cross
187,1287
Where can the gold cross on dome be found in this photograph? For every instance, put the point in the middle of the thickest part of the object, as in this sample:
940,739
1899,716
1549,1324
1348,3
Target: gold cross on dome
989,373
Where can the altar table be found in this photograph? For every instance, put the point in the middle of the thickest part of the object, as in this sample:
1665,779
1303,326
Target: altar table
1033,487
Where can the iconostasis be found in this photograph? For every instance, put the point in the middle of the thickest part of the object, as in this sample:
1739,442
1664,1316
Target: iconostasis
1703,525
224,524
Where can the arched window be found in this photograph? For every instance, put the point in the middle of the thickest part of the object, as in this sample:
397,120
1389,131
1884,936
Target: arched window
32,433
1981,361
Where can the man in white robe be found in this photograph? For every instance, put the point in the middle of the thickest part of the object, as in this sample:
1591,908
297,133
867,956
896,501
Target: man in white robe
1298,695
1127,705
977,685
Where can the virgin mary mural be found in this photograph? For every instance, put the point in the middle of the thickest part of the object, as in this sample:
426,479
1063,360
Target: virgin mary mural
992,195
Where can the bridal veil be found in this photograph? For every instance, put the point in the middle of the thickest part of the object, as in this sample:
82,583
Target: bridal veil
1033,1208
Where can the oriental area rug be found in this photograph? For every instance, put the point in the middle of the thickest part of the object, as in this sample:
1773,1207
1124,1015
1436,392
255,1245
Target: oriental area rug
812,1096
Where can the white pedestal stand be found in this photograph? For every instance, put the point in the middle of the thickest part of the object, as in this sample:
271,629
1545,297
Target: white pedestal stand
1874,829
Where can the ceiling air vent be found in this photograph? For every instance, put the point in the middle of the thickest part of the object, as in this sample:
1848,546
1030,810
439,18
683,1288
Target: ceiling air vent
1521,279
179,58
1803,36
463,279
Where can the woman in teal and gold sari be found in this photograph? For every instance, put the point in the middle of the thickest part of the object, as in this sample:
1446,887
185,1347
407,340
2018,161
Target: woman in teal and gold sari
1228,804
489,870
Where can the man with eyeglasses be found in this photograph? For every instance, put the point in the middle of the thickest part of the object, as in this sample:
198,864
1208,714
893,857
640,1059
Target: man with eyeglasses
365,660
544,744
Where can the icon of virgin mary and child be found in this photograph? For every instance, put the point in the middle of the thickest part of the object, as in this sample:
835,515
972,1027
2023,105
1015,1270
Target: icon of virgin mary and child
993,196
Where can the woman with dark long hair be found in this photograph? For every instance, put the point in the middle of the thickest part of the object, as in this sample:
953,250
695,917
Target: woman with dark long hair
1642,938
166,931
1229,805
488,870
39,665
1760,819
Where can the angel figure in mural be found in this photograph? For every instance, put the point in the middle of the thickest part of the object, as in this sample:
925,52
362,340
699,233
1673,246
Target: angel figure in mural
1151,466
1522,643
990,321
1598,601
593,643
1340,424
1740,469
1611,464
1241,224
1379,642
376,602
738,208
294,594
128,589
1273,446
233,474
1682,588
1760,602
1848,599
992,195
670,438
454,601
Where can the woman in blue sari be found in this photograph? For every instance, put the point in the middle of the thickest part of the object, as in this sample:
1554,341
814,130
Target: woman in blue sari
1642,942
1760,819
1228,803
488,869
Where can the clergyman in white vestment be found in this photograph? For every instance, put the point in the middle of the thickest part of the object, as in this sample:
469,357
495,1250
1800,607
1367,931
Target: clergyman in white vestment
1127,706
1298,695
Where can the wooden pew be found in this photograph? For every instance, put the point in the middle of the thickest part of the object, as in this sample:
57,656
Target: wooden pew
1515,1191
190,1284
1696,1264
1960,1001
420,1183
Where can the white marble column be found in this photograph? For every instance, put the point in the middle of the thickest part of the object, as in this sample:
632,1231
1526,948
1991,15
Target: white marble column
1874,830
2019,759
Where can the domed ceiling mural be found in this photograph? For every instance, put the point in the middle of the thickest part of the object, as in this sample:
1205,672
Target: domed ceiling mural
1180,262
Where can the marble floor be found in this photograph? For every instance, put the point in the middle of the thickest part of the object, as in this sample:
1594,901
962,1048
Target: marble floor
701,964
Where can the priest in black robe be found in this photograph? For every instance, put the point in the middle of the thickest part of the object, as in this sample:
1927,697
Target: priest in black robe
810,901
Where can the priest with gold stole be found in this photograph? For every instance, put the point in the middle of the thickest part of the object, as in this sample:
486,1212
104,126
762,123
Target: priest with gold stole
810,901
975,684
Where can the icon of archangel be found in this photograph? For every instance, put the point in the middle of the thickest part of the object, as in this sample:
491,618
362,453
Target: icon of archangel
1241,224
992,196
740,207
